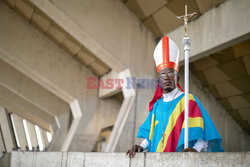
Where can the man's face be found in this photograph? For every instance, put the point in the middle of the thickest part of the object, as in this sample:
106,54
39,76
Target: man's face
168,79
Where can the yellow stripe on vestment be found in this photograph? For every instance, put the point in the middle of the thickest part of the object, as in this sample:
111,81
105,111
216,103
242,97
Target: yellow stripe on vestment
172,121
153,124
156,122
194,122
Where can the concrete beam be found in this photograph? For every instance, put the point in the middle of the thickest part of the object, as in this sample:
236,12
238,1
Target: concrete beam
18,104
19,131
219,28
17,94
44,142
13,61
58,136
45,139
2,145
78,33
77,115
5,128
112,76
32,133
62,81
29,89
129,96
41,116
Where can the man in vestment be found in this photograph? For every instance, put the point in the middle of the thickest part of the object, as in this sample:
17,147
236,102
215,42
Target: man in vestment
163,129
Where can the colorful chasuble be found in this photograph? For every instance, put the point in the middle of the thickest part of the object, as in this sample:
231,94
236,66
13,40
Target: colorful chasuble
200,126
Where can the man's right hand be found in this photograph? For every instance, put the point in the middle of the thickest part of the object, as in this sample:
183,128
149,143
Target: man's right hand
135,148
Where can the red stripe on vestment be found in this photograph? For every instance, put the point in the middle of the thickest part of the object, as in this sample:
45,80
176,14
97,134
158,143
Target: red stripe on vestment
173,139
194,110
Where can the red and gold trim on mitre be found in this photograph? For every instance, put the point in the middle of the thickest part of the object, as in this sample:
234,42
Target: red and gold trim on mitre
166,54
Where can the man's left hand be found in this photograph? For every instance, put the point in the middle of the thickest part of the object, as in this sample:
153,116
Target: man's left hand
189,150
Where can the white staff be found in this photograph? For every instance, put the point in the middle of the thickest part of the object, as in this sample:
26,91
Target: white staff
186,44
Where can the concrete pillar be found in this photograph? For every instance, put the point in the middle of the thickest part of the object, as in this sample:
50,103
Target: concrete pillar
32,133
43,138
5,127
19,131
2,148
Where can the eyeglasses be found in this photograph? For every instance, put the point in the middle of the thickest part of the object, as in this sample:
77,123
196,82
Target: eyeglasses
170,74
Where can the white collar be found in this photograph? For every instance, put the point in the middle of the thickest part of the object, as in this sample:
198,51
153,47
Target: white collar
171,95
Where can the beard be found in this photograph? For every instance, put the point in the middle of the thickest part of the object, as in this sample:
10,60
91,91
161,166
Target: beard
168,86
169,89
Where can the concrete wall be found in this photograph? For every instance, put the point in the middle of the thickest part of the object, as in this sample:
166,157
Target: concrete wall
116,29
6,160
31,48
75,159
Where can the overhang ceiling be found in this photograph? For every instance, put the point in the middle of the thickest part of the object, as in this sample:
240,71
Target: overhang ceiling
160,15
227,75
56,33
